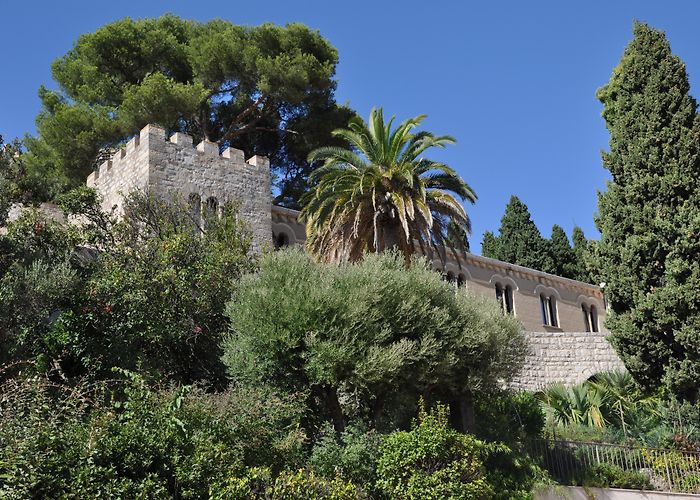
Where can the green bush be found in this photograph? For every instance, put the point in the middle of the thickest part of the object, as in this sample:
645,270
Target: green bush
299,485
366,339
134,442
151,300
432,461
509,417
611,476
353,457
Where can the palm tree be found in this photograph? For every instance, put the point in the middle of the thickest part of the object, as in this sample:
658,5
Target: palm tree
381,193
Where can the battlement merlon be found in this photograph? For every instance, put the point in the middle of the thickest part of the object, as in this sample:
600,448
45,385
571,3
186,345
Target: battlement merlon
151,162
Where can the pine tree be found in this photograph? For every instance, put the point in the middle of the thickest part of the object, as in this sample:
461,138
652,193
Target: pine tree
563,256
649,216
519,241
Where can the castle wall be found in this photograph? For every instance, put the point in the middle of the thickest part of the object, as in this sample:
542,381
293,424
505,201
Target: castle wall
482,275
558,353
163,167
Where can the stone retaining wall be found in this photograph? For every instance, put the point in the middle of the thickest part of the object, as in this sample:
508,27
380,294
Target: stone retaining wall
566,357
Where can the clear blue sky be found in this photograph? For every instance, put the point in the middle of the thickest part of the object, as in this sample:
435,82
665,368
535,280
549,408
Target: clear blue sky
513,81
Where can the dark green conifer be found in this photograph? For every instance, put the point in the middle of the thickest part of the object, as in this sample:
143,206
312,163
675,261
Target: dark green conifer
519,241
649,216
563,256
582,251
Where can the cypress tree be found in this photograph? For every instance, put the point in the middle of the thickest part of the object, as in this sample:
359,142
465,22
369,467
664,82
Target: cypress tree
563,256
582,256
519,241
489,246
649,217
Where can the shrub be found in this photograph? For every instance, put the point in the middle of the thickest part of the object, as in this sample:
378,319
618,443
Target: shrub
605,475
353,457
432,461
151,299
134,442
366,339
508,417
299,485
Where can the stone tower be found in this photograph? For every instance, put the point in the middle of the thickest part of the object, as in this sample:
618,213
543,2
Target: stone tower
203,177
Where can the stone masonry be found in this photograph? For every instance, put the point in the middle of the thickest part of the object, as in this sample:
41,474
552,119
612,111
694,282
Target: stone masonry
201,175
565,357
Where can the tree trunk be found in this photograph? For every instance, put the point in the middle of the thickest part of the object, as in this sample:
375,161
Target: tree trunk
334,408
388,230
466,410
377,408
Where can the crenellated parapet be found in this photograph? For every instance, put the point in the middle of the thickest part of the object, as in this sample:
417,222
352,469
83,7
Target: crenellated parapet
151,162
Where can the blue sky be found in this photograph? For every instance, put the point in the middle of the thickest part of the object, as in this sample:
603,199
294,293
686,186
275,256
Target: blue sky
513,81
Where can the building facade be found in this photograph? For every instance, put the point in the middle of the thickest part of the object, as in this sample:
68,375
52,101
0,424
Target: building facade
563,318
542,302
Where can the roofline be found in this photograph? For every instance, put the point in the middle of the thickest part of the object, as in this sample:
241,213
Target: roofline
482,261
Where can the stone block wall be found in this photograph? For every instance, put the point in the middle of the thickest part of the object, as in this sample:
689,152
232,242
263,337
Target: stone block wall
163,167
565,357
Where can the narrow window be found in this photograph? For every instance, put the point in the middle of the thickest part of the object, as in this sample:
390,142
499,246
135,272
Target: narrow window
544,306
594,319
586,318
553,311
281,241
549,310
461,280
509,299
211,206
499,295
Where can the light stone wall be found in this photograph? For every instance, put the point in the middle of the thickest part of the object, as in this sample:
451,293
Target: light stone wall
559,492
151,163
565,357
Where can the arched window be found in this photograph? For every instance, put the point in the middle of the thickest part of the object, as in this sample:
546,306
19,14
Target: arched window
281,240
504,296
590,318
594,319
450,277
509,299
548,305
586,318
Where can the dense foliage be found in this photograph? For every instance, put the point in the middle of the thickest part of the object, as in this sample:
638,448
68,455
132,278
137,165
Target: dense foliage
267,90
649,216
148,293
383,193
520,242
366,340
432,461
127,440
